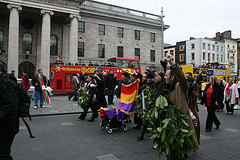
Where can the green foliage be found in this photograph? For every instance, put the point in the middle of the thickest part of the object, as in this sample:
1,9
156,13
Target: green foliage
168,125
84,98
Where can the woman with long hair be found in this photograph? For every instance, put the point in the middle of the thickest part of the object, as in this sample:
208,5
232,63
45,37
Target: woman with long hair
230,96
211,99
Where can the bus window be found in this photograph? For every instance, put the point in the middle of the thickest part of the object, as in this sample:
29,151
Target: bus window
123,64
134,64
68,81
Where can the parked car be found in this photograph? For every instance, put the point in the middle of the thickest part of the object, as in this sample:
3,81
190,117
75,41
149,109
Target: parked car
31,89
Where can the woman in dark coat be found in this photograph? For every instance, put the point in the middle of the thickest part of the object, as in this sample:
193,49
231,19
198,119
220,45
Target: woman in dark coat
212,98
92,86
100,97
221,105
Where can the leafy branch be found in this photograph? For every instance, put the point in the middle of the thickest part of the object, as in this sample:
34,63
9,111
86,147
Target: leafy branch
168,125
84,98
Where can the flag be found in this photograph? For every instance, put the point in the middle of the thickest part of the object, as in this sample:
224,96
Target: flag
45,93
128,99
127,104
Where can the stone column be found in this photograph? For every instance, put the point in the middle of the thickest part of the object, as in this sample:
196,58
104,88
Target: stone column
45,42
73,38
13,38
65,43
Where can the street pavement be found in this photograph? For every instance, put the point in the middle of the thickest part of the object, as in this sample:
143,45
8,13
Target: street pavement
61,136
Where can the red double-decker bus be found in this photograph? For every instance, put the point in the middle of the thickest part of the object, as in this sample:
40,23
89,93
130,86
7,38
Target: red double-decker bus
61,75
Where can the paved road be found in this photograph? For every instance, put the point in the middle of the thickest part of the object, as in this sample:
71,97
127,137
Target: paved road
64,137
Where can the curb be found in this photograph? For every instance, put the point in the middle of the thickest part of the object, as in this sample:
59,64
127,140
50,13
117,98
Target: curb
57,114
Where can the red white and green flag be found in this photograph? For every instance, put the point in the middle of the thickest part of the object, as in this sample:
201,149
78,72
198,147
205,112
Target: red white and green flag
45,93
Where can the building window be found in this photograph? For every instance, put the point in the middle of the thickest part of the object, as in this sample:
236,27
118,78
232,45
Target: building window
27,43
53,45
221,58
209,47
204,46
152,37
193,56
204,55
217,57
101,51
166,53
181,48
152,55
181,58
228,56
217,48
137,35
228,46
213,57
213,47
120,32
81,26
137,53
209,57
120,51
192,46
233,56
80,49
221,49
101,29
171,52
1,41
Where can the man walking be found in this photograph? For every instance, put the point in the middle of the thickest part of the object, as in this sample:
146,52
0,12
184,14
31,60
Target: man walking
74,88
9,121
36,81
110,84
178,91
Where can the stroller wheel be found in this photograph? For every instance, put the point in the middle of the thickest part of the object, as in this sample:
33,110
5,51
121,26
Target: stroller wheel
109,131
103,126
125,129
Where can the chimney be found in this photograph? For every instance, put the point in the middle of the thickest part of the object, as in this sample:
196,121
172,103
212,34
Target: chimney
218,37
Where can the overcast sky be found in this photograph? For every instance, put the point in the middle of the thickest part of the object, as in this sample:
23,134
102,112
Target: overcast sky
190,18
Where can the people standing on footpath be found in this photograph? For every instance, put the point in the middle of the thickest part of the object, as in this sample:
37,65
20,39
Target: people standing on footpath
38,95
199,80
74,88
178,91
230,96
110,83
212,98
9,121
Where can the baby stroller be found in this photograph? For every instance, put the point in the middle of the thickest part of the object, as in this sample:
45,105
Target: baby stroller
117,117
114,119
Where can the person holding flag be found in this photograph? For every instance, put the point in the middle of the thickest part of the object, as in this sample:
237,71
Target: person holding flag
39,81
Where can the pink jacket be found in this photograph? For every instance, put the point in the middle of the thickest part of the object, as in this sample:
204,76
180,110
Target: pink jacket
234,93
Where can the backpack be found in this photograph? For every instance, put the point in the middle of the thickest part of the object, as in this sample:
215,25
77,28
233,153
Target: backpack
24,102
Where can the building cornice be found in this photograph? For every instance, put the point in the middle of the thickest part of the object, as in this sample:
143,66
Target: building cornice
64,6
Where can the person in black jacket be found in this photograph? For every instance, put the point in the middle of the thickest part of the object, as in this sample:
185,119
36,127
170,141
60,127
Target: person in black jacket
9,121
101,100
92,91
125,80
212,98
38,90
110,84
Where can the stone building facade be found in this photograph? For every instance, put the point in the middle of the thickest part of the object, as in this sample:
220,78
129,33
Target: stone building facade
34,32
29,27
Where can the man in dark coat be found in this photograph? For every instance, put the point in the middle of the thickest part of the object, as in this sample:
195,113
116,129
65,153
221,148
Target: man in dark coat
38,90
9,121
110,84
125,80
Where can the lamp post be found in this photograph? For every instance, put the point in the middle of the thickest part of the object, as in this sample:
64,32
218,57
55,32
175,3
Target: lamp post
162,29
